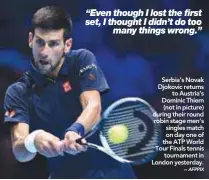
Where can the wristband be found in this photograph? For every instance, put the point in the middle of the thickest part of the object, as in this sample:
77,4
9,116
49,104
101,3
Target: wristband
29,141
78,128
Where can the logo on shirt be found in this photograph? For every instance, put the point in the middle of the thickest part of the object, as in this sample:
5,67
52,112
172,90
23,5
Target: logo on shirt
10,113
91,77
66,86
90,66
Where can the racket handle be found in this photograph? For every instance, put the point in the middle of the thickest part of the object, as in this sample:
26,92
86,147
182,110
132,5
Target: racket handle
94,146
79,141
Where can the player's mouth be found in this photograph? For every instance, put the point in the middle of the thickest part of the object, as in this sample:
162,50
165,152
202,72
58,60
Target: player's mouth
42,62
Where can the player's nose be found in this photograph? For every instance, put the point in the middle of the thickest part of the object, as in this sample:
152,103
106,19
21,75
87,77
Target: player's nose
44,51
43,56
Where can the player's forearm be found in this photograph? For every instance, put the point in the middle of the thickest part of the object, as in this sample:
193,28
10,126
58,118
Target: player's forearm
90,115
19,132
20,152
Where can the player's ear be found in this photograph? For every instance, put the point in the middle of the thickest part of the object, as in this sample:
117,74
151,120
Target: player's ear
68,45
30,39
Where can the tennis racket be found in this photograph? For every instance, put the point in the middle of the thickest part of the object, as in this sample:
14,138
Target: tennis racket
143,134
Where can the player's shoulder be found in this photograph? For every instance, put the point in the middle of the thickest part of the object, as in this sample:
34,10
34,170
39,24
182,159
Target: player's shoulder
17,89
80,53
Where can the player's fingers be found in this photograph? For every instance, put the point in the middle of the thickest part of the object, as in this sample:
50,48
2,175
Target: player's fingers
80,148
69,144
83,141
72,152
47,152
44,150
56,147
69,147
60,148
54,150
84,145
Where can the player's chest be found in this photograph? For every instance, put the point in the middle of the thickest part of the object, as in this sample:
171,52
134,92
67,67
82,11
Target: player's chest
55,98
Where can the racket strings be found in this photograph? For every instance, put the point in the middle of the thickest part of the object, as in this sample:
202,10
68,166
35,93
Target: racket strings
129,112
122,149
127,115
130,107
137,154
131,125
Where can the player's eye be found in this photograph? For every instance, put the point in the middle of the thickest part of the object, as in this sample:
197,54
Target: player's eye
40,42
53,43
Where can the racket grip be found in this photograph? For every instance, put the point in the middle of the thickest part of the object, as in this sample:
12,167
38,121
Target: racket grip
79,141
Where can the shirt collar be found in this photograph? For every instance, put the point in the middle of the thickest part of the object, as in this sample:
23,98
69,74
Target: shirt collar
64,68
41,79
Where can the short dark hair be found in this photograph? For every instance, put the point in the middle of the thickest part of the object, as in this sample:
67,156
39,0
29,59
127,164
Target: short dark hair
52,18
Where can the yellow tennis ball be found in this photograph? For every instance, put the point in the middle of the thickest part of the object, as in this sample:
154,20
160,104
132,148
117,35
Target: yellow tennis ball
118,134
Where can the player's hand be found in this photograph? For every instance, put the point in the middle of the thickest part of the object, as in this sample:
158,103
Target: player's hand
71,146
48,145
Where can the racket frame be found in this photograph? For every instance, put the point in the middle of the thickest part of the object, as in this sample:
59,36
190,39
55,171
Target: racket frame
105,147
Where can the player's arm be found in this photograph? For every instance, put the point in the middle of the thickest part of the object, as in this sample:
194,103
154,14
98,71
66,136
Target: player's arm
92,84
17,116
19,132
25,145
91,103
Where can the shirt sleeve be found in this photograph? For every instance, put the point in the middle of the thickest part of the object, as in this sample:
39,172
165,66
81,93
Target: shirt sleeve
16,105
90,74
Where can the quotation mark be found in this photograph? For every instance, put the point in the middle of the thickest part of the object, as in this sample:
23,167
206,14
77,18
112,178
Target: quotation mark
88,11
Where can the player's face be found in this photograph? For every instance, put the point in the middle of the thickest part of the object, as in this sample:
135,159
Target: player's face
48,48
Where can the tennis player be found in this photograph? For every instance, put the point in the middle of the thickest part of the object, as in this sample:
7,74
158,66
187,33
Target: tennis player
57,101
